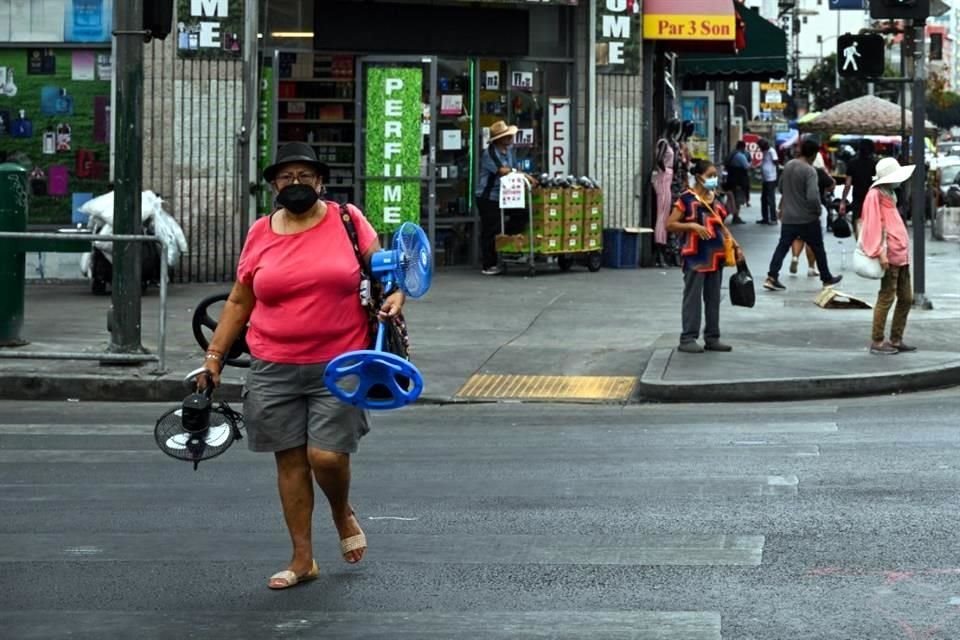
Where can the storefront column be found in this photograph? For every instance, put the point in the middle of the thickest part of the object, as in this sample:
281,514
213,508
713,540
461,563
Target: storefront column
620,141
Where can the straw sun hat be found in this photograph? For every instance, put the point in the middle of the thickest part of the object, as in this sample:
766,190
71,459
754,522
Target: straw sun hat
499,129
889,171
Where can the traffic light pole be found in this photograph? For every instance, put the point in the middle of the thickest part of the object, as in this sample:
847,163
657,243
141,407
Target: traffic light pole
919,190
125,312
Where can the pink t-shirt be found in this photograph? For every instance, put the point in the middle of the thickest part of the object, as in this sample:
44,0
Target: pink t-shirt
307,289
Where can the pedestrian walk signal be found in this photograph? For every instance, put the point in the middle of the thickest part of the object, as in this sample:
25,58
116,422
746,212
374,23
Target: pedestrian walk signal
860,55
916,9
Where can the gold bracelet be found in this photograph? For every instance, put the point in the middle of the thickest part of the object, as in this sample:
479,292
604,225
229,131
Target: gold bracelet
213,356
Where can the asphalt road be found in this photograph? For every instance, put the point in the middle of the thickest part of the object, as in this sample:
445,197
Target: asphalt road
744,522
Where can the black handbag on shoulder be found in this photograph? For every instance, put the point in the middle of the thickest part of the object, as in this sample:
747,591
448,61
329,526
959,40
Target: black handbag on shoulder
742,290
396,340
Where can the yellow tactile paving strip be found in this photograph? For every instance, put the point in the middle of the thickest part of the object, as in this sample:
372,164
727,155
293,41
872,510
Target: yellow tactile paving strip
507,387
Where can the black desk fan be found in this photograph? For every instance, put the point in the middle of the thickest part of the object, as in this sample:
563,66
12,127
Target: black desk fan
197,430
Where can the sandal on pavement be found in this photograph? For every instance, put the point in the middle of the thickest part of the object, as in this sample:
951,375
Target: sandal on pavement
353,543
287,579
883,349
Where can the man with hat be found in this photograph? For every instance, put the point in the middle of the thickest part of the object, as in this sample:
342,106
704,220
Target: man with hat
883,235
497,161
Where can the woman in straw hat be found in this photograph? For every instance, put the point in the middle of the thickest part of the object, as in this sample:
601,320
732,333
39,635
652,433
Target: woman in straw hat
883,235
497,161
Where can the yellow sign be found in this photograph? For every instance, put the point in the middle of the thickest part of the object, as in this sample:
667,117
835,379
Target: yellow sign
688,27
773,106
773,86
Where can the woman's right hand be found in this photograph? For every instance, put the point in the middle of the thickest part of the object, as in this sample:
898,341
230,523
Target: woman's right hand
213,367
701,231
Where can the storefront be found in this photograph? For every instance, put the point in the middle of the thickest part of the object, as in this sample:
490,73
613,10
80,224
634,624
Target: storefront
710,28
55,95
398,97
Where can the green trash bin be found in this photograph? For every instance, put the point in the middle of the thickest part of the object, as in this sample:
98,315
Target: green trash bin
13,217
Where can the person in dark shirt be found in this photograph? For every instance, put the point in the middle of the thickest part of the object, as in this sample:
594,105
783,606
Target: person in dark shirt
860,174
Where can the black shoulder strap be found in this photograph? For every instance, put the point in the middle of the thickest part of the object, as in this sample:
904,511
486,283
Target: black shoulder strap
351,229
492,178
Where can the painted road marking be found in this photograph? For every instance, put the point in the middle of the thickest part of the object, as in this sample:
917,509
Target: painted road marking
504,387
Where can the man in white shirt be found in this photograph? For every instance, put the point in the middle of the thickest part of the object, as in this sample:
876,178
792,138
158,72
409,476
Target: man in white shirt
768,197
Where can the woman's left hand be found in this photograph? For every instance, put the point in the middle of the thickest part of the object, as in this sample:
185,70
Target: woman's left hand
738,252
392,306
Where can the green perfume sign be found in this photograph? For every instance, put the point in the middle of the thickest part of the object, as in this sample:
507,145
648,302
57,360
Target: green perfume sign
393,143
266,145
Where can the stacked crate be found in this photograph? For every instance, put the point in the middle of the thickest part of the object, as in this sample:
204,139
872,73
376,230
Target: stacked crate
593,220
548,220
572,220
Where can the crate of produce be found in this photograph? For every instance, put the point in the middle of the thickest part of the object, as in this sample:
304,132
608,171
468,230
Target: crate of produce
593,242
547,213
593,211
573,197
547,229
551,196
593,196
592,227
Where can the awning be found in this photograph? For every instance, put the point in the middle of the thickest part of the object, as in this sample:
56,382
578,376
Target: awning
691,25
763,57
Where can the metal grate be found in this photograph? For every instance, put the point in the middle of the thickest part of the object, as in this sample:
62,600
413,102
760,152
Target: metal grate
510,387
620,148
193,110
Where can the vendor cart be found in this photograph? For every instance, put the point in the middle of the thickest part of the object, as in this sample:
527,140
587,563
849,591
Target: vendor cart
563,227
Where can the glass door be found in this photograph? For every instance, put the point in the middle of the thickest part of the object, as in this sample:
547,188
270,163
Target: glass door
457,223
396,138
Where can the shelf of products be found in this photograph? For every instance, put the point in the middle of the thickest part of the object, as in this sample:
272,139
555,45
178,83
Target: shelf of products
315,104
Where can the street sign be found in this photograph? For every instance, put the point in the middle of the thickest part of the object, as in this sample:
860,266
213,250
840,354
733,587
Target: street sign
860,55
773,106
773,86
841,5
916,9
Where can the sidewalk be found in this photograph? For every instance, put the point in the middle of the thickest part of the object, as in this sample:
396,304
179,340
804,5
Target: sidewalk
611,323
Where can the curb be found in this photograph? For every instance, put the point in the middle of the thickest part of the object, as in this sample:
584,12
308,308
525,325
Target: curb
652,387
93,388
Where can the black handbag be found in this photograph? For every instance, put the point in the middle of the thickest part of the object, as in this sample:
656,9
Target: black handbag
396,339
742,291
841,228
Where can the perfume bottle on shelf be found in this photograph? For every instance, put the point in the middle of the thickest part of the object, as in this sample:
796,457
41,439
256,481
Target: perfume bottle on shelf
49,141
22,127
65,103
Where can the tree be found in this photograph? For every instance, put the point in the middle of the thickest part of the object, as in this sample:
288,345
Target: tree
821,82
943,106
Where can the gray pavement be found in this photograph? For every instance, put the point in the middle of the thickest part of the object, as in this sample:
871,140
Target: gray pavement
826,520
615,322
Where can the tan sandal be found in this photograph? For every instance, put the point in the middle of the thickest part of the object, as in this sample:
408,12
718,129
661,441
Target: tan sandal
353,543
289,579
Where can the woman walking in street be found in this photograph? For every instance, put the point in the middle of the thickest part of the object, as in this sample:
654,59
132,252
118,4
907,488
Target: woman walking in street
698,216
883,235
298,284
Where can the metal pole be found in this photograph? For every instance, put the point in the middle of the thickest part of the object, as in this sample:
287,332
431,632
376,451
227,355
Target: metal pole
125,310
904,49
836,67
919,200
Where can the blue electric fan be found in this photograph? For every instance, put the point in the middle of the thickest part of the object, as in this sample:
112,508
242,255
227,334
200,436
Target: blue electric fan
374,378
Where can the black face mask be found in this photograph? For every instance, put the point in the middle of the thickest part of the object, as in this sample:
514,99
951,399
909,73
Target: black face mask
297,198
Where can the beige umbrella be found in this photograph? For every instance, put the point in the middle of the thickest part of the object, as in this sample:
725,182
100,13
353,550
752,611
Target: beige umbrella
866,115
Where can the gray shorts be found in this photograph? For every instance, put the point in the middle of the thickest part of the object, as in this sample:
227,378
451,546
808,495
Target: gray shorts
289,405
